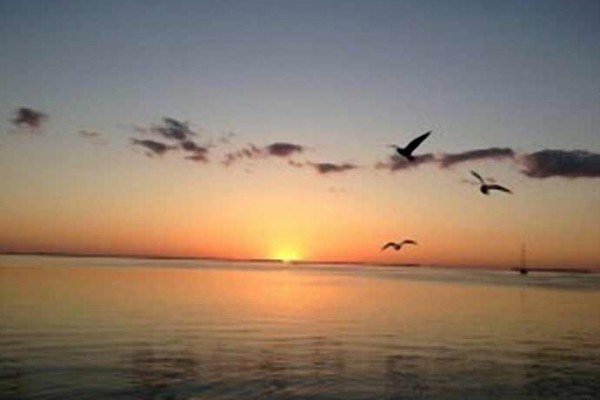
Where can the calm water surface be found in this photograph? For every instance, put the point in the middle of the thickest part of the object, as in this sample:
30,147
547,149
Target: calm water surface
139,329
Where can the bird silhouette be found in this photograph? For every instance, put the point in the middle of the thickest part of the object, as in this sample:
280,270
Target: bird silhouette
397,246
486,187
407,151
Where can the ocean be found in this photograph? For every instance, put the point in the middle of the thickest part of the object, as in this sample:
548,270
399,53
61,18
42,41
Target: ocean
109,328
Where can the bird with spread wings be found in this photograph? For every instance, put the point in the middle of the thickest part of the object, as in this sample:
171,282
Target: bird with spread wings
397,245
486,187
407,151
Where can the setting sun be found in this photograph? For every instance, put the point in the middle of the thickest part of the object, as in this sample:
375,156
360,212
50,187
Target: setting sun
286,254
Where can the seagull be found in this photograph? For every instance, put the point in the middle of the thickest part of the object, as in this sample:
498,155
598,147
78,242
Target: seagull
406,152
397,246
486,187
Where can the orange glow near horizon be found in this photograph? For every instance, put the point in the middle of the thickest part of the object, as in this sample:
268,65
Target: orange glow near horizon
264,216
287,254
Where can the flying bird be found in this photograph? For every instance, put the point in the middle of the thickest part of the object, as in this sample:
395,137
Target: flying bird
486,187
397,246
407,151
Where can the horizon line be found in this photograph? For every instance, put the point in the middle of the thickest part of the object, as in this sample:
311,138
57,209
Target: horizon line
216,258
292,262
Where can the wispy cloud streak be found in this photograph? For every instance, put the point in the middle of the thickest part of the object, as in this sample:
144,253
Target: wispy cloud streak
93,137
89,134
152,147
396,163
248,152
253,152
326,168
494,153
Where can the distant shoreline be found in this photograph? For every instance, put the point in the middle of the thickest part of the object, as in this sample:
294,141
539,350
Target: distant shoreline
199,258
563,270
300,262
134,256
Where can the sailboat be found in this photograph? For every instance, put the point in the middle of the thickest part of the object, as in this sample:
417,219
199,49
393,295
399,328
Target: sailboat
523,268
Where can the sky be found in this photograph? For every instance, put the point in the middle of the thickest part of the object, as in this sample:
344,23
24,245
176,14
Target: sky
261,129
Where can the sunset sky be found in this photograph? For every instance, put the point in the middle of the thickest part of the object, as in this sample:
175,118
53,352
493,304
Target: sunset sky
260,129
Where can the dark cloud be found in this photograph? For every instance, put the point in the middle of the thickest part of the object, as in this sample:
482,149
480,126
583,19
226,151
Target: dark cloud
196,152
494,153
173,129
561,163
170,128
253,152
249,152
190,145
331,168
397,163
152,146
29,118
199,157
283,149
180,135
